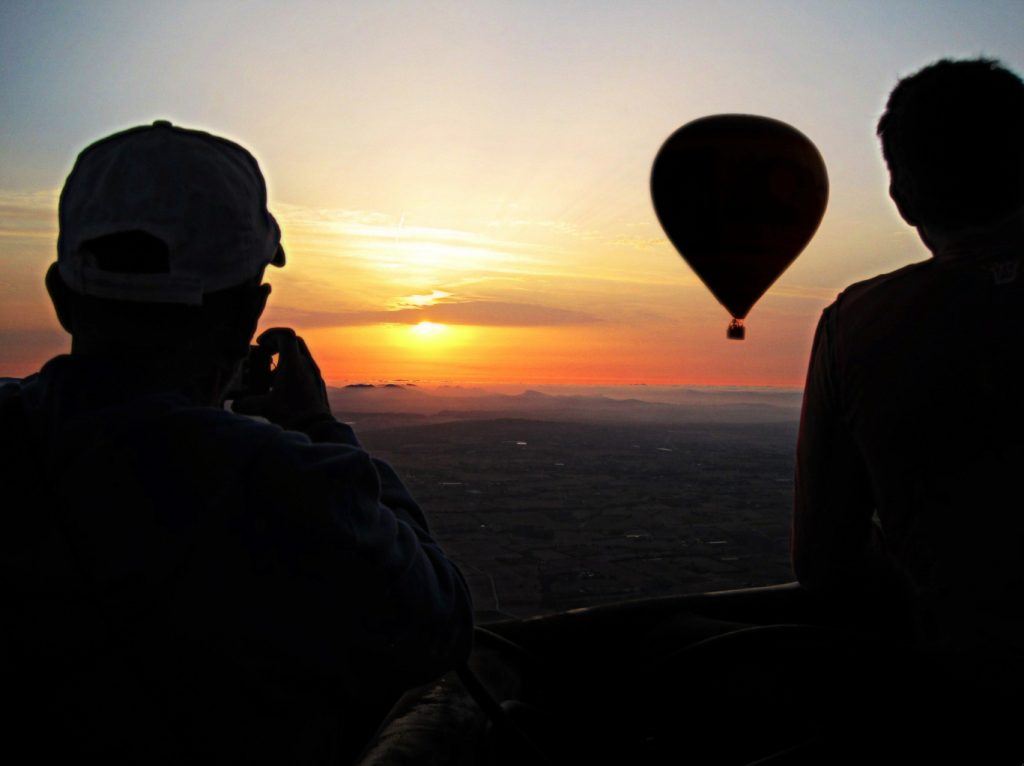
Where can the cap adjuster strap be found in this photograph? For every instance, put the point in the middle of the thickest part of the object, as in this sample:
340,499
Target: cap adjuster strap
149,288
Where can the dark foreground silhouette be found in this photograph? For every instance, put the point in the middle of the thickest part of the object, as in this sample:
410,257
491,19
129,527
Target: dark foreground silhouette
185,585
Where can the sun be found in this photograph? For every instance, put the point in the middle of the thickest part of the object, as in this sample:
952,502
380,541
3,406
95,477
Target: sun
428,329
432,340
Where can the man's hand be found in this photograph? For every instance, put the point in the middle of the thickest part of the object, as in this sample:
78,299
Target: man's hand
298,396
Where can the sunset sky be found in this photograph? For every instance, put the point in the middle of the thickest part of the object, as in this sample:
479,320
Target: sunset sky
463,187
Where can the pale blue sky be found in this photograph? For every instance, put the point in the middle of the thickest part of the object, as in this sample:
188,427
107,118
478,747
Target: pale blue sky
72,71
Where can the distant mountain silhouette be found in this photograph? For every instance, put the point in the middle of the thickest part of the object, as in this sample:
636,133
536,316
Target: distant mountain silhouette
356,402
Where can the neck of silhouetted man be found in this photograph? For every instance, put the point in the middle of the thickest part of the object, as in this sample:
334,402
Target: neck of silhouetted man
202,378
1004,237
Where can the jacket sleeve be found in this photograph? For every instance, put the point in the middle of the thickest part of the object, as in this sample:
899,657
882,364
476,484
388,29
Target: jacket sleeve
342,551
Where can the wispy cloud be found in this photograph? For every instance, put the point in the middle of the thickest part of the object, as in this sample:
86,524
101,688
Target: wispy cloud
388,229
28,214
588,234
479,313
419,301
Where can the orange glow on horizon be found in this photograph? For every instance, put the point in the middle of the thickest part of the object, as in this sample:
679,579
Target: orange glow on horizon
477,355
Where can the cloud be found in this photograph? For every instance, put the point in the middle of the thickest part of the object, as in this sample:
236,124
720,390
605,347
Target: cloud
574,231
413,301
493,313
370,228
288,316
641,243
480,313
28,214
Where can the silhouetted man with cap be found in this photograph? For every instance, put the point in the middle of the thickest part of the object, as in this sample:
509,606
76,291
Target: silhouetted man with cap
911,442
183,584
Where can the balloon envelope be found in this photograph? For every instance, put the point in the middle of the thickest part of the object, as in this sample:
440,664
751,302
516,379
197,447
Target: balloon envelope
739,196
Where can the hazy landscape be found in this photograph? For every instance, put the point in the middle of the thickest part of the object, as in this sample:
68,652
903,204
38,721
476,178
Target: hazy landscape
555,498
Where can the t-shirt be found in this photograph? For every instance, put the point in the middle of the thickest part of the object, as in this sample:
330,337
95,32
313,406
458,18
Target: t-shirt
913,414
183,584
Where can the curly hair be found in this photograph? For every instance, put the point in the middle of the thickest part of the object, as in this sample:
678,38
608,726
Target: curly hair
953,137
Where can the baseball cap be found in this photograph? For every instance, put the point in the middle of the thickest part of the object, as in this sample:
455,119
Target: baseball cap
201,195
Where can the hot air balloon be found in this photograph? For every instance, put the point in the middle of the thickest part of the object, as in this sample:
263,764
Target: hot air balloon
739,197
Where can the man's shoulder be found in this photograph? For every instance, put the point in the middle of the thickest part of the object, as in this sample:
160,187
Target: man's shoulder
282,457
257,435
879,286
217,451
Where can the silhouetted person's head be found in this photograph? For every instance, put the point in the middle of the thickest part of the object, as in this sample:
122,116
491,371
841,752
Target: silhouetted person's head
164,238
953,137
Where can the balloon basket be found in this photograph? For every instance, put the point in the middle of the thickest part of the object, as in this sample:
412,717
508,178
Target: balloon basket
736,330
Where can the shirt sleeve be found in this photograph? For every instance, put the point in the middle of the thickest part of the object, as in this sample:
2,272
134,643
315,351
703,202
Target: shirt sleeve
831,535
341,565
393,492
